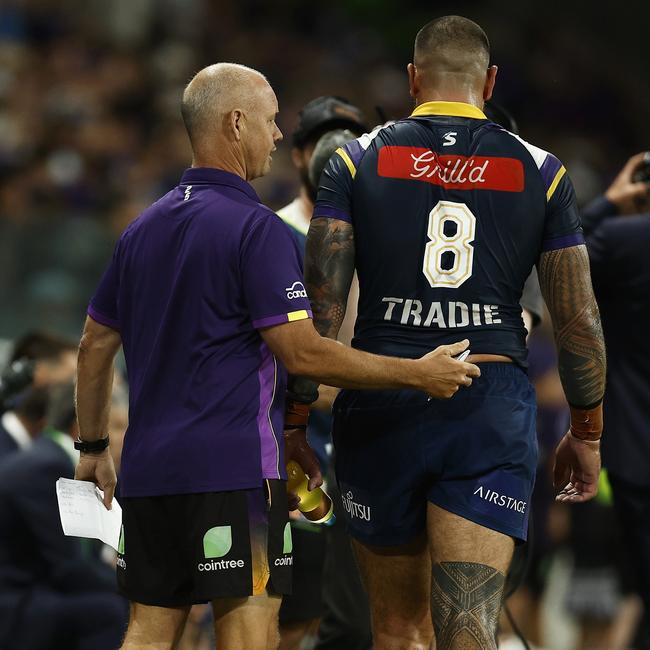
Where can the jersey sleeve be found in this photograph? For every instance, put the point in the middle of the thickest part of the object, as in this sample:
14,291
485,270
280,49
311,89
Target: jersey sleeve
103,307
272,277
334,199
562,227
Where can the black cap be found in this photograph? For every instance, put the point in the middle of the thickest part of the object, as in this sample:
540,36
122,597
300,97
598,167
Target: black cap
324,114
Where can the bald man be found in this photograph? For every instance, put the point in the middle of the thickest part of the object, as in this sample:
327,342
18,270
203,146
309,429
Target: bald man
205,294
443,215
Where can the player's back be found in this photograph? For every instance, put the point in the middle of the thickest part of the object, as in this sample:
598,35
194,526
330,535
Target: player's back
450,213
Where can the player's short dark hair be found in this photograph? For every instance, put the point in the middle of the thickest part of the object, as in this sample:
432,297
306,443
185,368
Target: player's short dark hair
451,33
41,345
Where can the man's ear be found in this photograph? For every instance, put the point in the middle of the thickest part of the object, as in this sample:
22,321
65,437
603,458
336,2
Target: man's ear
414,81
490,80
236,119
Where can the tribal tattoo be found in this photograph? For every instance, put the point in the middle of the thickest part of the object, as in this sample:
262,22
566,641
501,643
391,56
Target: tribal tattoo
329,268
465,605
565,281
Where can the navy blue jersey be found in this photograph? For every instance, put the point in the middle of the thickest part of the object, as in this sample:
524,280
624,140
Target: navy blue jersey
450,214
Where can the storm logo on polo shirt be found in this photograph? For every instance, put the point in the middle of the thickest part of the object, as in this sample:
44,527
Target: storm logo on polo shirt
296,290
217,543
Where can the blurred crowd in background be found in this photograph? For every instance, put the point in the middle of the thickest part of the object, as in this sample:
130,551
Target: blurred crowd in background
90,130
90,134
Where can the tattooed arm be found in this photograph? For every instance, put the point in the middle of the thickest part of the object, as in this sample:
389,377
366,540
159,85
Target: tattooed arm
329,267
566,285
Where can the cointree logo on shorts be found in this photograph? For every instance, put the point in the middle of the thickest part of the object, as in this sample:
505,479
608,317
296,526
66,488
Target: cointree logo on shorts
287,548
217,542
121,562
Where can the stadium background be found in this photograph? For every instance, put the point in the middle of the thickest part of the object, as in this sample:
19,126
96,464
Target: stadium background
90,130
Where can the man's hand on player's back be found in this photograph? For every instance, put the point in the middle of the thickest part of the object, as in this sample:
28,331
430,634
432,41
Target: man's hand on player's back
307,354
446,373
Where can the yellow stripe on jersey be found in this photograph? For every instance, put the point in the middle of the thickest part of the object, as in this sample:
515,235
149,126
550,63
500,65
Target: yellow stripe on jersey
347,160
555,183
301,314
455,109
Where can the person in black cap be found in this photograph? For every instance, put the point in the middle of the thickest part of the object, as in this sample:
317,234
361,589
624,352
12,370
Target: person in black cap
317,117
300,613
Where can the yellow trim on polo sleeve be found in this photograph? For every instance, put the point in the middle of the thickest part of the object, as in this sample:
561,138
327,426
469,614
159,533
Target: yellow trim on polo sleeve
347,160
301,314
555,183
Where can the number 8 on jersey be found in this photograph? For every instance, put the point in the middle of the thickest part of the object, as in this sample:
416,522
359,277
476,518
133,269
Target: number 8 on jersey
445,247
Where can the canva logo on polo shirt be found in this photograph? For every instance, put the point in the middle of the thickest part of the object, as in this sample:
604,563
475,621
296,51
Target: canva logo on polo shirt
287,547
217,542
296,290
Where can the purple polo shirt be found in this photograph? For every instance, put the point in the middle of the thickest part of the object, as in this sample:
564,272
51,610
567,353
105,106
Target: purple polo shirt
191,281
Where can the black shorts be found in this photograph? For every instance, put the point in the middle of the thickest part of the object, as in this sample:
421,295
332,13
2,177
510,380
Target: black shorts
192,548
305,602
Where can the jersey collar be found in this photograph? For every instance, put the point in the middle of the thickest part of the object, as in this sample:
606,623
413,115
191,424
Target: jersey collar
455,109
212,176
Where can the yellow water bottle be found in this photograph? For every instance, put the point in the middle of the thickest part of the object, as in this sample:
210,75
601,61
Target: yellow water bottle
315,505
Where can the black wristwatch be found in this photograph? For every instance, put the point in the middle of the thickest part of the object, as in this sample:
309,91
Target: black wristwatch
93,447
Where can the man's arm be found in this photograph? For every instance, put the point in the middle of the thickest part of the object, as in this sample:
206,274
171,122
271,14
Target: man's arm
566,286
624,196
329,268
304,352
95,369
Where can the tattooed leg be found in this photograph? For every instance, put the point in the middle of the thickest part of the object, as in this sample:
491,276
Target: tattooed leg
469,565
465,605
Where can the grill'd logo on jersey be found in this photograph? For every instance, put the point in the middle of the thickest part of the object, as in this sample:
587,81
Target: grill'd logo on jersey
451,171
296,290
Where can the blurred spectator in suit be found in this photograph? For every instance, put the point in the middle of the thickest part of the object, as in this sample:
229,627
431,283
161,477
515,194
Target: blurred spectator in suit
53,592
617,226
55,361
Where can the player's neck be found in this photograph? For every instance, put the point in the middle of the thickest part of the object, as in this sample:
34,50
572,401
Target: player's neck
464,96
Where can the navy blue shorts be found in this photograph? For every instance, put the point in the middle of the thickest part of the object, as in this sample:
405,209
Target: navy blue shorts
474,455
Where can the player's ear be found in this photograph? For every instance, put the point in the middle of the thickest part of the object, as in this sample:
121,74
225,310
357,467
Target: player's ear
490,80
414,80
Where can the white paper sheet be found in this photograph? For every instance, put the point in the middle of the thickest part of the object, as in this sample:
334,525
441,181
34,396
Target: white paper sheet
83,513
